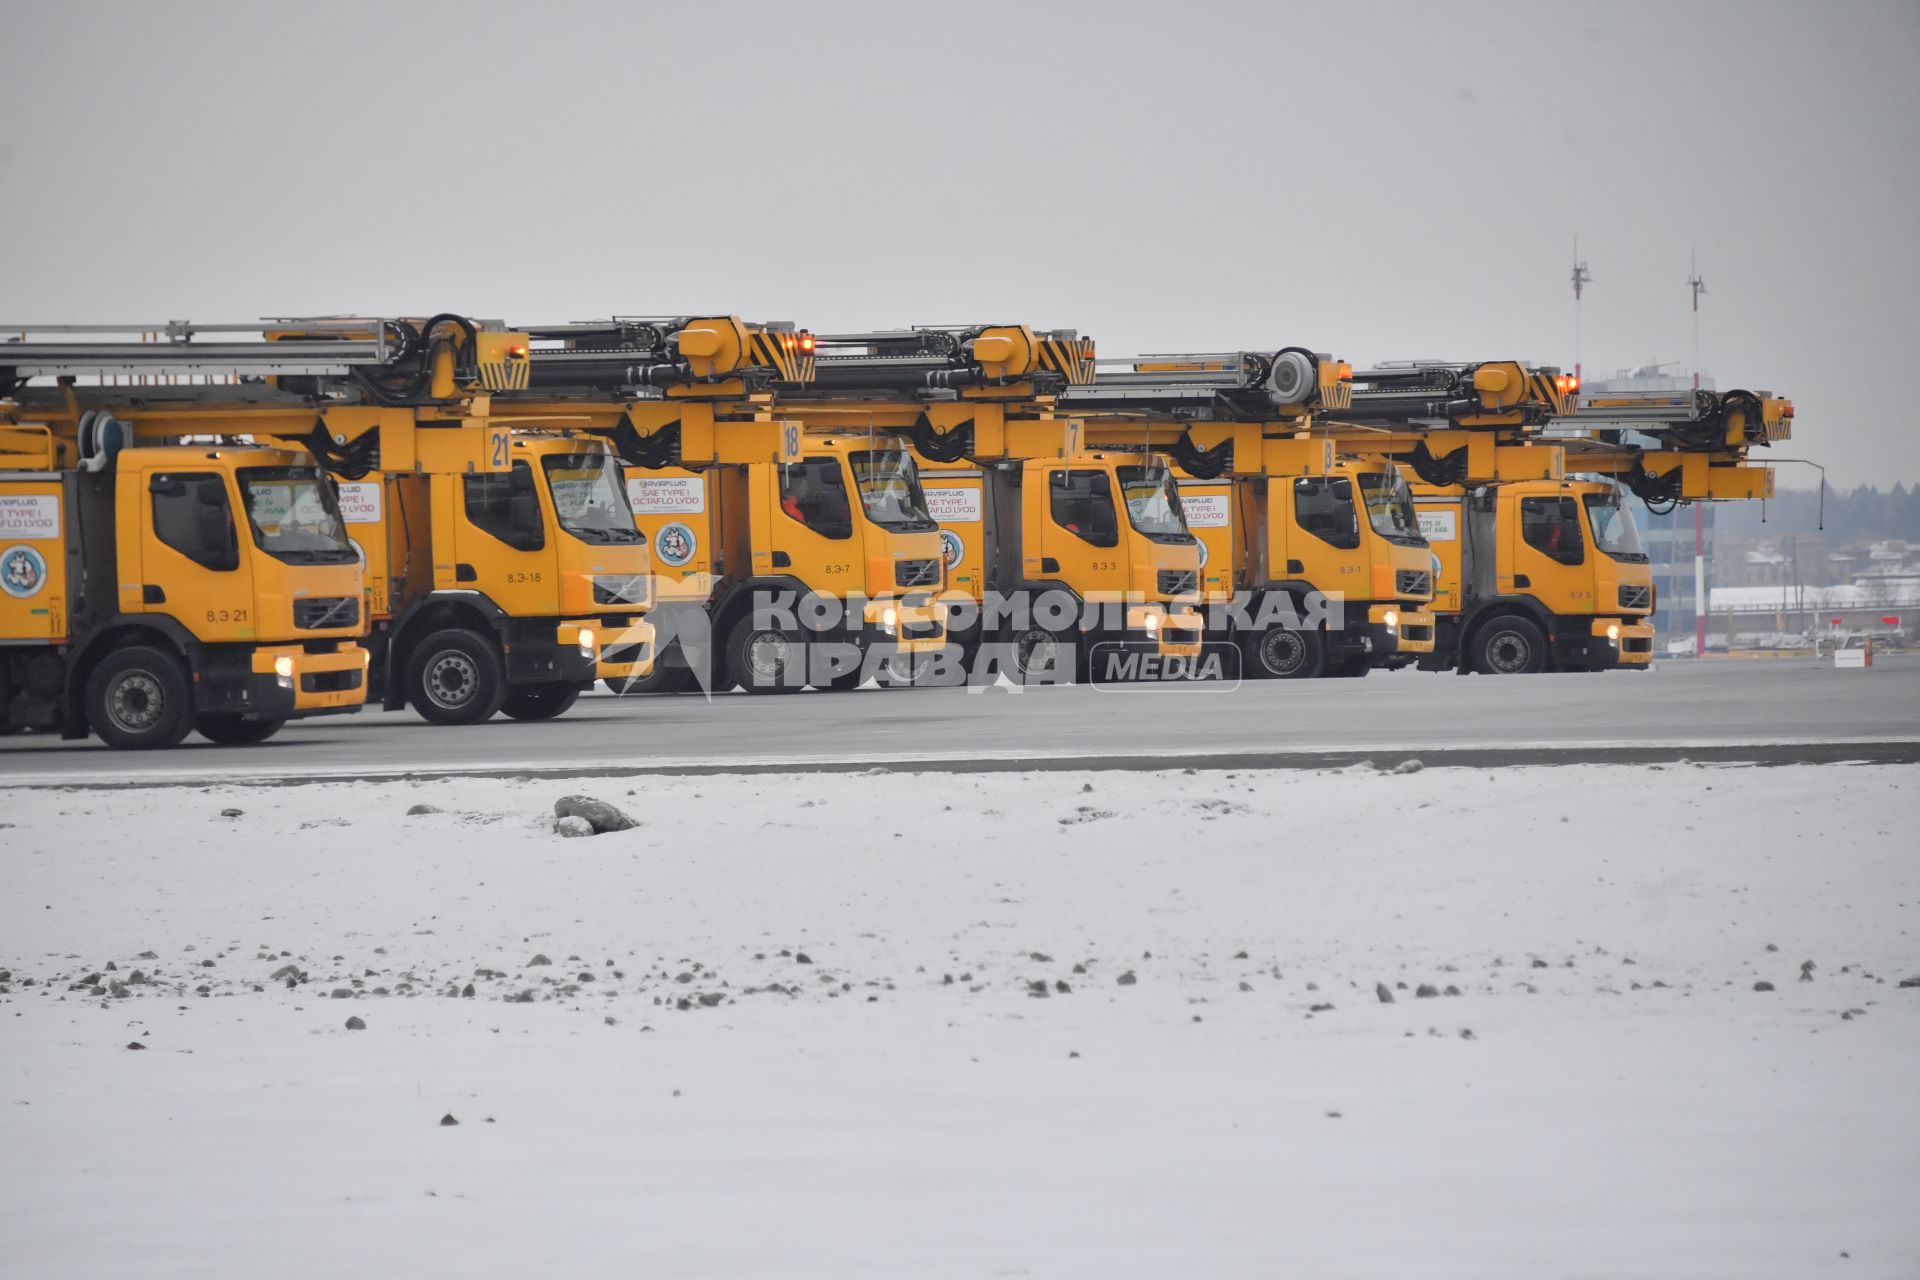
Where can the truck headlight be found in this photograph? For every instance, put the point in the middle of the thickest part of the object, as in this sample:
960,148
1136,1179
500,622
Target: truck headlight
586,642
1613,632
283,671
889,619
1153,624
1391,618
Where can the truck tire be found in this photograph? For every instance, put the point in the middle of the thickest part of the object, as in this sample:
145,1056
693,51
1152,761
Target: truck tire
765,659
1280,654
1042,656
233,730
540,701
666,677
1352,667
1509,646
454,677
139,698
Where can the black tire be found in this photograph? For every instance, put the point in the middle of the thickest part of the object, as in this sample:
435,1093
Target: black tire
233,730
1351,667
1280,654
1041,656
906,670
666,677
540,701
847,681
1509,646
455,677
662,679
140,699
765,659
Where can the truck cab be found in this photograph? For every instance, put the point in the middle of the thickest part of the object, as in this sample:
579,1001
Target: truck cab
1345,536
825,570
1101,531
510,589
155,590
1544,575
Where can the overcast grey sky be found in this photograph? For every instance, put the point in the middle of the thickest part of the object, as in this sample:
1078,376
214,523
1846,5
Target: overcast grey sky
1378,180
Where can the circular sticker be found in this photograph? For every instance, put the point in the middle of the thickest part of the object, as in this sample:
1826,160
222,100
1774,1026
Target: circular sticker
23,571
952,548
674,544
1203,551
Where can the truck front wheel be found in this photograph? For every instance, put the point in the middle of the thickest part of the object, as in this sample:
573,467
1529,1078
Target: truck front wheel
234,731
1280,654
540,701
455,678
139,698
1509,646
766,659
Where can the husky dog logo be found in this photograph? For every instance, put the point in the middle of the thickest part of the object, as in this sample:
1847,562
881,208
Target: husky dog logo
674,544
22,572
952,548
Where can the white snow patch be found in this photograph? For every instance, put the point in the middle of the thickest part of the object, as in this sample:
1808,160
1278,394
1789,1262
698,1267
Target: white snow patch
1634,1107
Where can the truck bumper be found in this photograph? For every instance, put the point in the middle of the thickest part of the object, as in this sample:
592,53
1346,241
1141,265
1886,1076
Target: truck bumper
286,681
1636,645
1172,631
1395,630
1602,644
896,626
623,651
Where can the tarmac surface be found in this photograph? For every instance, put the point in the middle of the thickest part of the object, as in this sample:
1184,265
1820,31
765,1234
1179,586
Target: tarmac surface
1766,711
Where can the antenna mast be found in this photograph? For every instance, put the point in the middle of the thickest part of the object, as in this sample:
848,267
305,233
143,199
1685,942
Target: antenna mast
1581,278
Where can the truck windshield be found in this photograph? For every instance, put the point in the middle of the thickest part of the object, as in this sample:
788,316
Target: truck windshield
889,488
1390,507
1614,531
590,497
1153,503
294,515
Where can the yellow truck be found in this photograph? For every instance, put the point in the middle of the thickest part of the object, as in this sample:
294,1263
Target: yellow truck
1073,561
1523,479
1314,564
151,586
505,573
1538,575
499,563
790,553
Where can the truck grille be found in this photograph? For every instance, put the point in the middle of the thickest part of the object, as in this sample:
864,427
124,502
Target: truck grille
618,590
916,573
1413,582
317,612
329,681
1636,597
1176,582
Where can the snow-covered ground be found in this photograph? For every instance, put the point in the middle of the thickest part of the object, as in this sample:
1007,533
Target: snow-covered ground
1071,1025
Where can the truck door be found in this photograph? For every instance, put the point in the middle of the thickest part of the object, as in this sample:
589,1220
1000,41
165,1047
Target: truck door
1549,553
503,542
1079,532
192,564
810,530
1322,544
